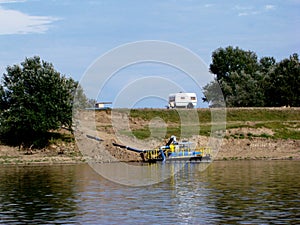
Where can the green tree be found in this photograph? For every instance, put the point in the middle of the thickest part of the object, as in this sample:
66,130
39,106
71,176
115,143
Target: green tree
267,65
283,83
246,82
247,89
228,60
236,72
35,99
80,100
213,94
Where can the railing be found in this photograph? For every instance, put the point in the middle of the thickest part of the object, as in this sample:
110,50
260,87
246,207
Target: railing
152,154
204,150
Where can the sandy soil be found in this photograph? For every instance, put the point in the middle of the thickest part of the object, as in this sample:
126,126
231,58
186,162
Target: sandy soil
54,154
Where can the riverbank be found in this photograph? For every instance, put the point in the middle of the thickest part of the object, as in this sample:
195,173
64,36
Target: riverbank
54,154
231,149
251,134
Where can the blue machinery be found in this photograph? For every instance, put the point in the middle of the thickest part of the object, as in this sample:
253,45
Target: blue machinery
173,151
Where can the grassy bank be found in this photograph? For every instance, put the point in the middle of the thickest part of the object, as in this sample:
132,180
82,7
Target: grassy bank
281,123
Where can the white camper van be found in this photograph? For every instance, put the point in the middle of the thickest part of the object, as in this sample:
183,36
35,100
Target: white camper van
182,100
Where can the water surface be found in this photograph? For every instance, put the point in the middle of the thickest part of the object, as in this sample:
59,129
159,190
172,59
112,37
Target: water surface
229,192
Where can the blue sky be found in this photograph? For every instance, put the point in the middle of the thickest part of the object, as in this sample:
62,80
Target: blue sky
71,34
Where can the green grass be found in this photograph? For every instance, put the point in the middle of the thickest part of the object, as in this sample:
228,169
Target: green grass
262,114
285,123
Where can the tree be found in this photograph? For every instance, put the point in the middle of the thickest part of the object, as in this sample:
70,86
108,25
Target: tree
80,100
283,83
267,64
248,90
236,72
245,82
228,60
213,94
34,99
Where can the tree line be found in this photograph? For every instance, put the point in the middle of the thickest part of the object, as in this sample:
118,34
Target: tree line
35,98
246,81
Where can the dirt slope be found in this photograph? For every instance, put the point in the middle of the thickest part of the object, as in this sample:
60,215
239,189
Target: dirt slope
107,127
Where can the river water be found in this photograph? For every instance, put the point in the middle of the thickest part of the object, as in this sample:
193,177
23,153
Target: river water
227,192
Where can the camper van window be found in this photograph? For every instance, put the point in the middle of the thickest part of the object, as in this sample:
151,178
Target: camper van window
193,98
182,97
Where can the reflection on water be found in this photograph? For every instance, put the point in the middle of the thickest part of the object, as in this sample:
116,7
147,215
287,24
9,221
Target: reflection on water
256,192
242,192
142,174
36,194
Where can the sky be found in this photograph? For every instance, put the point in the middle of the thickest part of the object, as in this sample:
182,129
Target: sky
74,34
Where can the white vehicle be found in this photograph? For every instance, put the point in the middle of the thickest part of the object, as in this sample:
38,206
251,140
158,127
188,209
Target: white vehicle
182,100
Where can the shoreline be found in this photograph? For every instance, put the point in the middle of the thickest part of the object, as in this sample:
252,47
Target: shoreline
230,150
52,161
54,154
